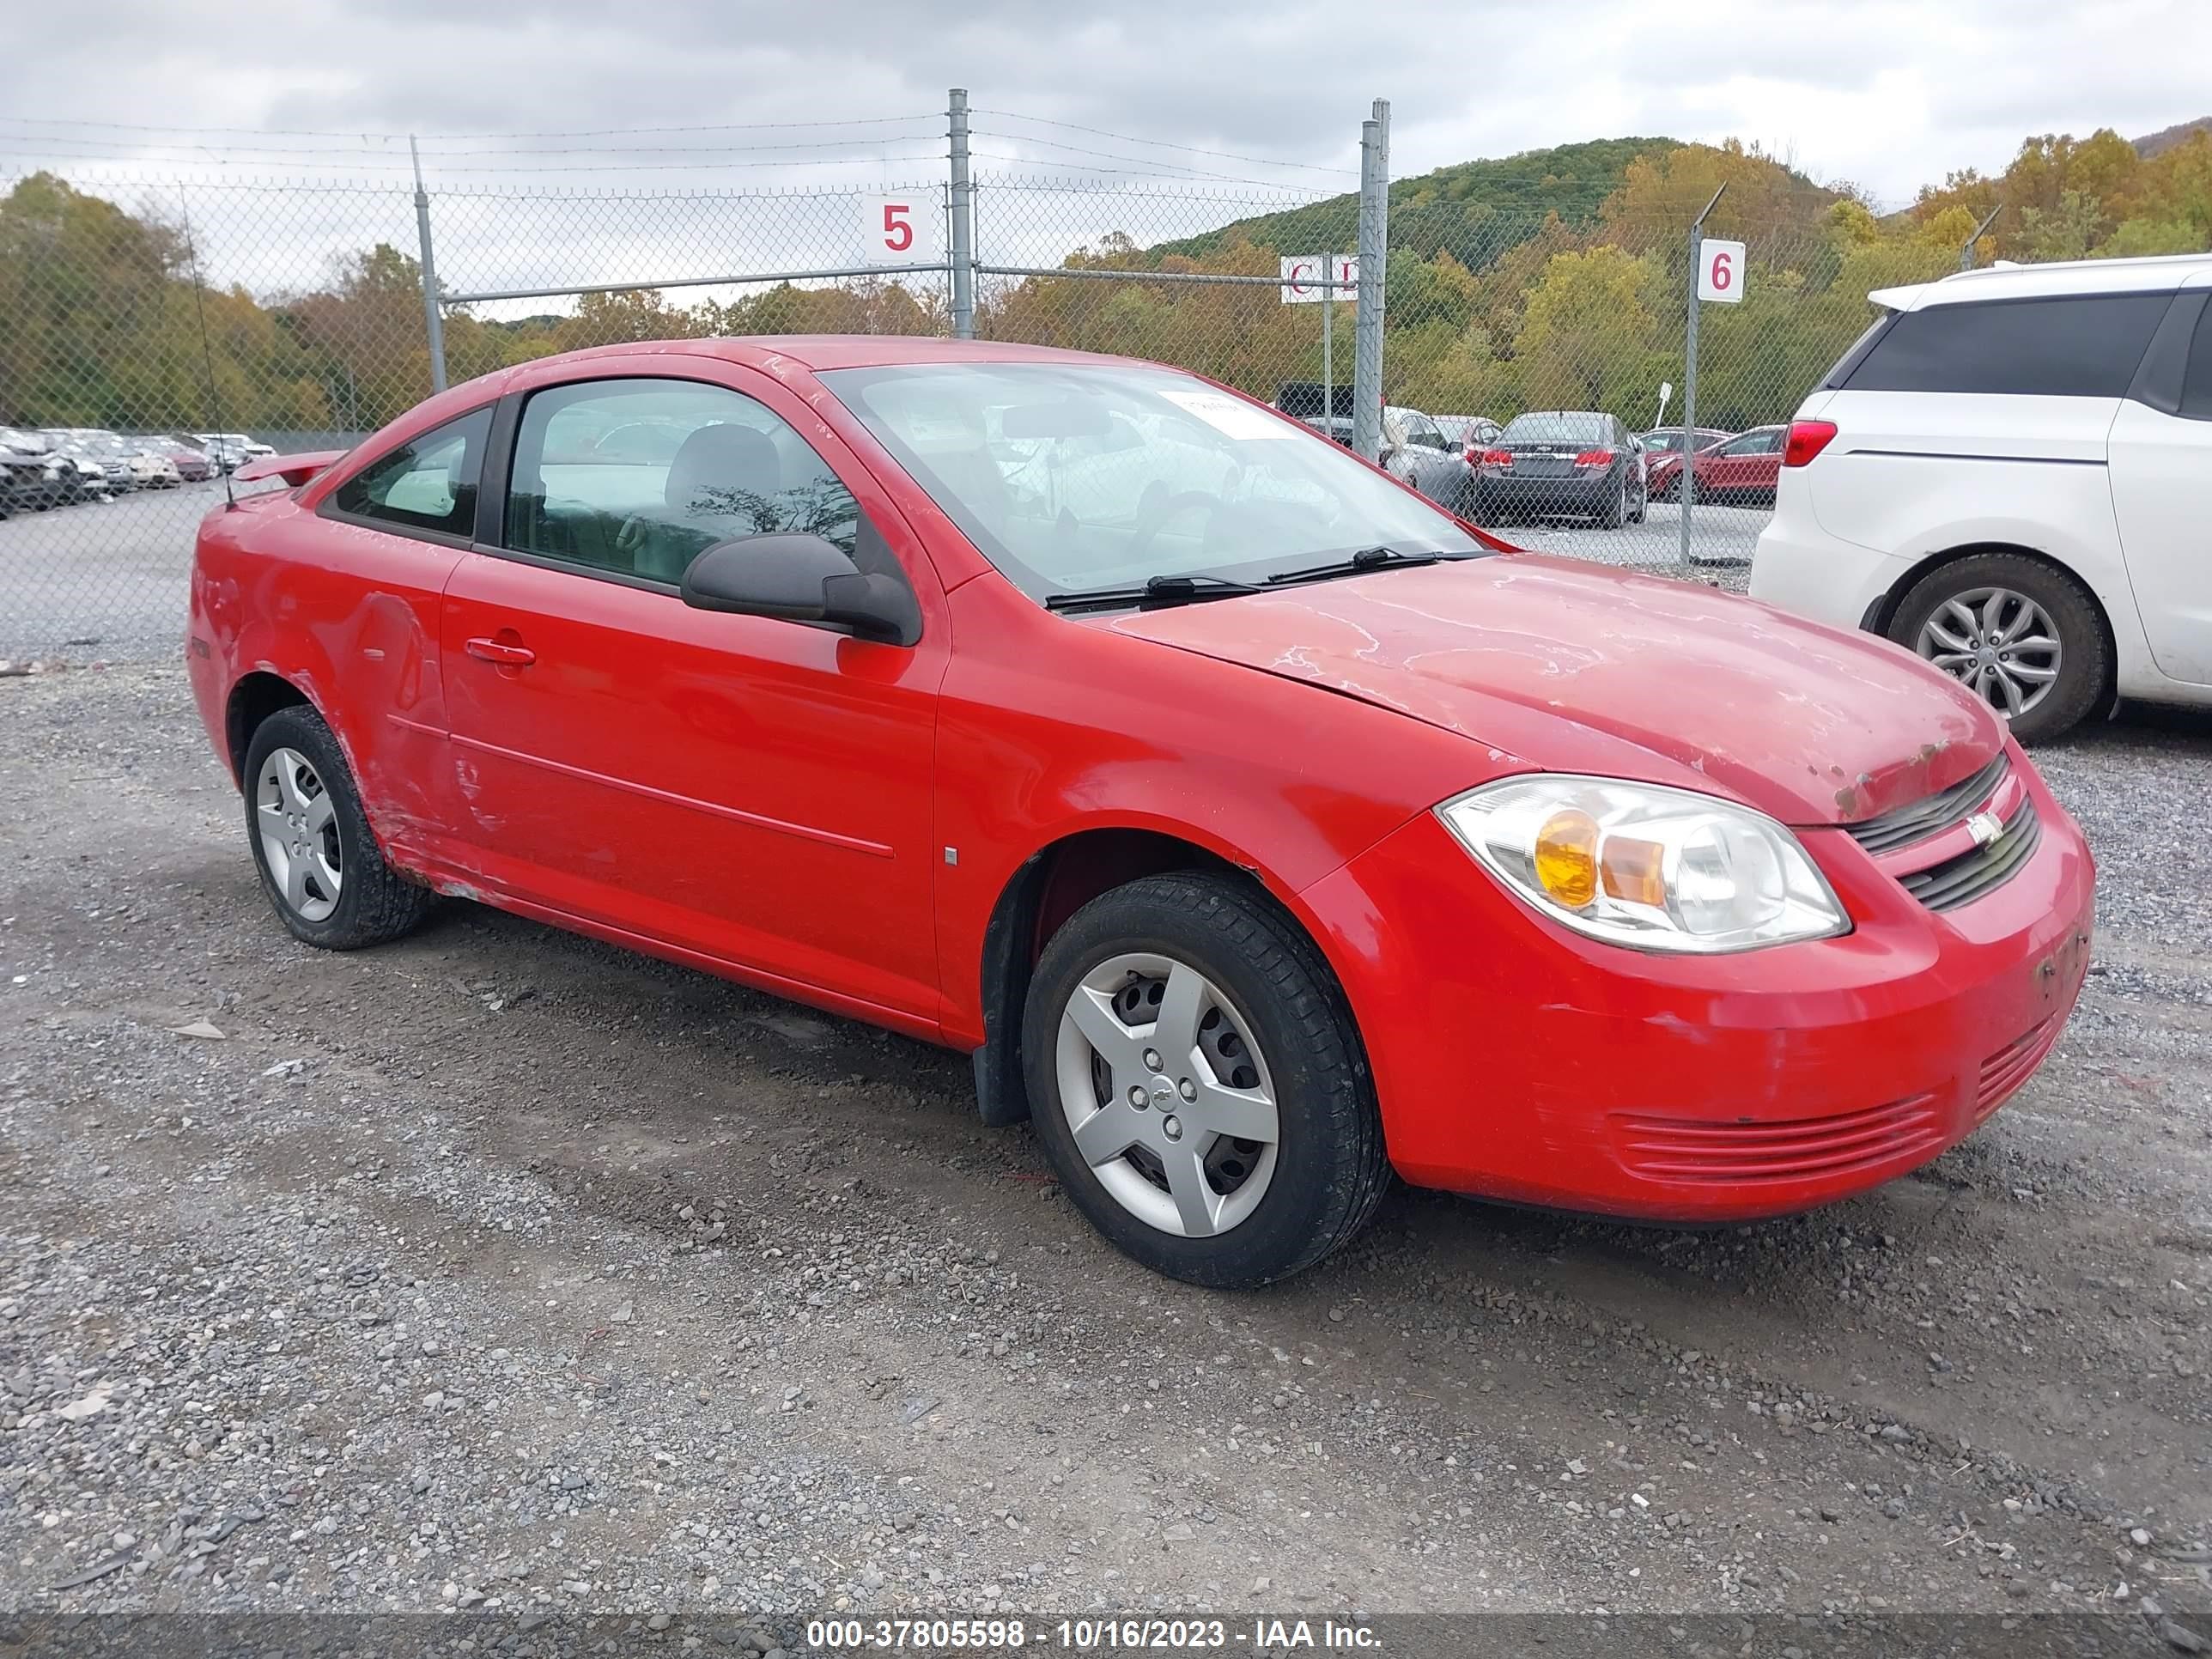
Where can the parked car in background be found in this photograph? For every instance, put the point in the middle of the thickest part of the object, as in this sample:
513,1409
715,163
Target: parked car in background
1252,846
2008,474
151,466
1465,432
230,450
1554,462
40,475
99,456
1410,440
192,464
1741,471
1662,455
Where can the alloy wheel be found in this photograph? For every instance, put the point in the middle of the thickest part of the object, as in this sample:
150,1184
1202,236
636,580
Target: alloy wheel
1998,642
1167,1095
299,830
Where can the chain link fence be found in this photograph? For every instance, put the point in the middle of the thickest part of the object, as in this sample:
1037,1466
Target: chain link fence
145,317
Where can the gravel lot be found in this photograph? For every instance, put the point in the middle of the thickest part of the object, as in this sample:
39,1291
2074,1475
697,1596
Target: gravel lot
499,1269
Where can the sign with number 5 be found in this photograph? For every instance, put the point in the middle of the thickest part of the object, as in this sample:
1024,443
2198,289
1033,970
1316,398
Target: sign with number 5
901,229
1720,271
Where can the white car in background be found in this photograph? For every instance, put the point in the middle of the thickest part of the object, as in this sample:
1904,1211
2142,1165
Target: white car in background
2011,474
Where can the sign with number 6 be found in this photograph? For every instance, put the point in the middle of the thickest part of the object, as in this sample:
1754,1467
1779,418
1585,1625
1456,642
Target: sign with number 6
901,229
1720,271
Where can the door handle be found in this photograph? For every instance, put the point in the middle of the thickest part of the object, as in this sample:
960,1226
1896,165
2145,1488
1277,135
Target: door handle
507,656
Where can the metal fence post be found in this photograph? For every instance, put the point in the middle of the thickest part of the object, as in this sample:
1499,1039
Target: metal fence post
1686,478
964,221
1328,344
432,323
1374,259
1966,253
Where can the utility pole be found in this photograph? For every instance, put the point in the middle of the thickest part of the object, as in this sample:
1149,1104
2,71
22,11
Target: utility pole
1374,260
1686,478
434,324
962,206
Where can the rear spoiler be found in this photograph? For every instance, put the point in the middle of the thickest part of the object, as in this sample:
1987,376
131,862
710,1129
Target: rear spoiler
293,470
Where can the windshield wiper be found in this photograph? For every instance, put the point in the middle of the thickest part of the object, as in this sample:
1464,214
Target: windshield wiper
1156,591
1368,558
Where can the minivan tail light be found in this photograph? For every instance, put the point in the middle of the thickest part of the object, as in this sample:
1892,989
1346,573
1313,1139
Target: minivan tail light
1595,458
1807,440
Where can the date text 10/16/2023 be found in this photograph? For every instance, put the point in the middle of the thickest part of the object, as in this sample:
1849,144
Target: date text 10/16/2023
1099,1635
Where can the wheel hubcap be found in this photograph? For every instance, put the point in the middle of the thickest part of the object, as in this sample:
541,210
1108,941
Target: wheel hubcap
1167,1095
299,829
1998,642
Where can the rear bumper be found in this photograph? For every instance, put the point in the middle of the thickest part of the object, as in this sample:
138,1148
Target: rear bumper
1799,567
1563,494
1516,1060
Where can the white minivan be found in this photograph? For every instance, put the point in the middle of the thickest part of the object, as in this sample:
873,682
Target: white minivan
2011,473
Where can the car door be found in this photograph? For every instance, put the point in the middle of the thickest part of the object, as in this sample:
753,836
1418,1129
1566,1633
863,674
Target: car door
2161,475
1734,465
748,790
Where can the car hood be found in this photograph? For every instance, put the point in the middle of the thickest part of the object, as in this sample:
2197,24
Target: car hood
1575,667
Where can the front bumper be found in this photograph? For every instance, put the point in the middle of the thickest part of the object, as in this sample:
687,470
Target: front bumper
1516,1060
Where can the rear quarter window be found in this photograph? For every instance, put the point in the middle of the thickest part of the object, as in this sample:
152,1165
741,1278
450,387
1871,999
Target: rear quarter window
2079,346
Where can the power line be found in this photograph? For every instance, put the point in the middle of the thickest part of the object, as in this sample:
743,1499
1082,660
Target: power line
1163,143
1144,162
1164,178
597,132
36,145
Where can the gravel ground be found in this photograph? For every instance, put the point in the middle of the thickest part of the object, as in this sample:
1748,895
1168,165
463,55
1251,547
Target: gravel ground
498,1268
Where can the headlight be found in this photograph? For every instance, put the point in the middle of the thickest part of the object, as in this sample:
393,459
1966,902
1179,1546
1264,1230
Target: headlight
1652,868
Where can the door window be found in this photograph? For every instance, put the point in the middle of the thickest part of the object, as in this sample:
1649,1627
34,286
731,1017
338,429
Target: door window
429,483
1753,443
2196,383
639,476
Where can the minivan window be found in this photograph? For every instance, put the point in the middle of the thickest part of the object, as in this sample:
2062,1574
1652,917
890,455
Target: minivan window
2071,346
2196,383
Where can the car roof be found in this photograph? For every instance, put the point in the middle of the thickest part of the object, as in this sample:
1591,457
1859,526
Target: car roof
828,351
2159,274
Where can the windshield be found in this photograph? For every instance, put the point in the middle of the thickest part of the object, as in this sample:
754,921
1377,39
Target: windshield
1070,477
1556,428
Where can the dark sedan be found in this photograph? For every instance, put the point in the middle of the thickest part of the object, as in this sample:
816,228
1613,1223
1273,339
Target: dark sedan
1561,462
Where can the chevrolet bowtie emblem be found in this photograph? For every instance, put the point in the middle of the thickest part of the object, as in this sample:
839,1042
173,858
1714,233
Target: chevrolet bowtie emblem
1984,827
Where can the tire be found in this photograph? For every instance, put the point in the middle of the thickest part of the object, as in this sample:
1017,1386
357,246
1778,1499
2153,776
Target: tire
1616,510
1318,1180
1480,511
1642,506
374,904
2084,660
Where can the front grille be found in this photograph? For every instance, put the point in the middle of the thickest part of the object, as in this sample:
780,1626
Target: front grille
1980,870
2004,1071
1790,1149
1931,815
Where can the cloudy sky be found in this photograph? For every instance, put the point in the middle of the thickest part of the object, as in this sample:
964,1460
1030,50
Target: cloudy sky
1886,95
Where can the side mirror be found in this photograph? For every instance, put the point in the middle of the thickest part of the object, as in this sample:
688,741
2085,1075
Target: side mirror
800,577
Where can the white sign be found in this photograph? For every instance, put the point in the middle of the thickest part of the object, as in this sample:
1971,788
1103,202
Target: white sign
1303,278
1720,271
902,229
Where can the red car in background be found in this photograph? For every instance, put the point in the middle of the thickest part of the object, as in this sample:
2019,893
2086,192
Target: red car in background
1257,827
1743,471
1662,451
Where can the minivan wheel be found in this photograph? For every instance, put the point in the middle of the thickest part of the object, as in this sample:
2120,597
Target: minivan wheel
1197,1083
2023,635
318,861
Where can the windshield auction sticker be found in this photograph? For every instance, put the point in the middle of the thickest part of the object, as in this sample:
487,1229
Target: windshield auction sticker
1231,416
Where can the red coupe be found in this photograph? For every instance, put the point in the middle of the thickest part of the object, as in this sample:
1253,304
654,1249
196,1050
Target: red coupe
1257,827
1746,469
